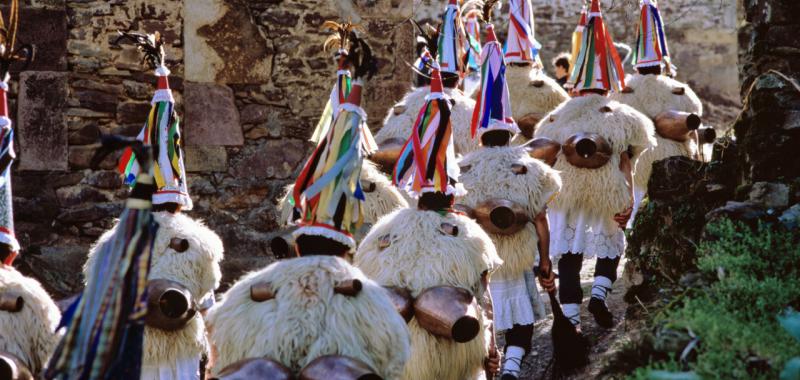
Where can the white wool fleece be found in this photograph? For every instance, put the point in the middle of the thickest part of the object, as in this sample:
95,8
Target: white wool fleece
420,255
400,125
385,199
526,98
306,319
652,95
604,191
29,334
488,173
197,269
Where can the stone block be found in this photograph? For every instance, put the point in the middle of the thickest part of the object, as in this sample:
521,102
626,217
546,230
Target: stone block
206,159
223,45
90,213
42,124
133,112
87,134
59,267
80,157
97,100
254,114
270,159
46,30
104,179
212,118
770,195
71,196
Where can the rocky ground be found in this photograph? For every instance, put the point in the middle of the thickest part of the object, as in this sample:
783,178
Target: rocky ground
539,364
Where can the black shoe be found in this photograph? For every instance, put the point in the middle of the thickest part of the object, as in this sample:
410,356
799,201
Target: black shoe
600,312
508,376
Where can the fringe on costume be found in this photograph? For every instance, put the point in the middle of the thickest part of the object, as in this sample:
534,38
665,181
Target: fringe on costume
104,335
421,255
306,319
427,161
7,154
162,131
400,119
383,200
527,98
598,65
337,97
652,95
493,108
486,174
29,334
577,37
602,191
651,41
196,268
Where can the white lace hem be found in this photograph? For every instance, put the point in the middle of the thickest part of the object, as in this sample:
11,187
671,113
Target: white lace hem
578,232
511,303
187,368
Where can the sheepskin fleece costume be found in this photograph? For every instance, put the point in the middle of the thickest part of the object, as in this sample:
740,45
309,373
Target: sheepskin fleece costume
420,255
487,173
600,192
385,199
400,120
30,334
197,269
652,95
306,319
526,98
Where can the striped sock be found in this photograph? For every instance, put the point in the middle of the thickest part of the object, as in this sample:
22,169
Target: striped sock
513,360
601,287
573,312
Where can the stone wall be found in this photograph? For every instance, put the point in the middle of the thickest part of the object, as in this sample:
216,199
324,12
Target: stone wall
701,35
250,80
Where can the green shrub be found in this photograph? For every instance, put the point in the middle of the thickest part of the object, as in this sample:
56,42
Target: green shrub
754,276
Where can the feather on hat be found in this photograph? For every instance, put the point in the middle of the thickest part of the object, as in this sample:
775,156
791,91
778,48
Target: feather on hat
339,40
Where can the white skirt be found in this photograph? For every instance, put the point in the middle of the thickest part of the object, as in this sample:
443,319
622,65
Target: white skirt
511,303
578,232
638,197
184,369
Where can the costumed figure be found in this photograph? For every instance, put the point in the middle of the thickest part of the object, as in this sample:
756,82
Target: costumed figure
105,325
672,105
472,60
507,193
532,92
439,259
445,46
380,197
28,316
184,269
316,316
577,40
597,141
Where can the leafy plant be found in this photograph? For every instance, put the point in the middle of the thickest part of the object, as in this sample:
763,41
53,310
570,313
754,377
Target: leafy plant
752,278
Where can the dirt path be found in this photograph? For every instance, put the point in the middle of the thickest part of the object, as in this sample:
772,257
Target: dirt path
537,365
